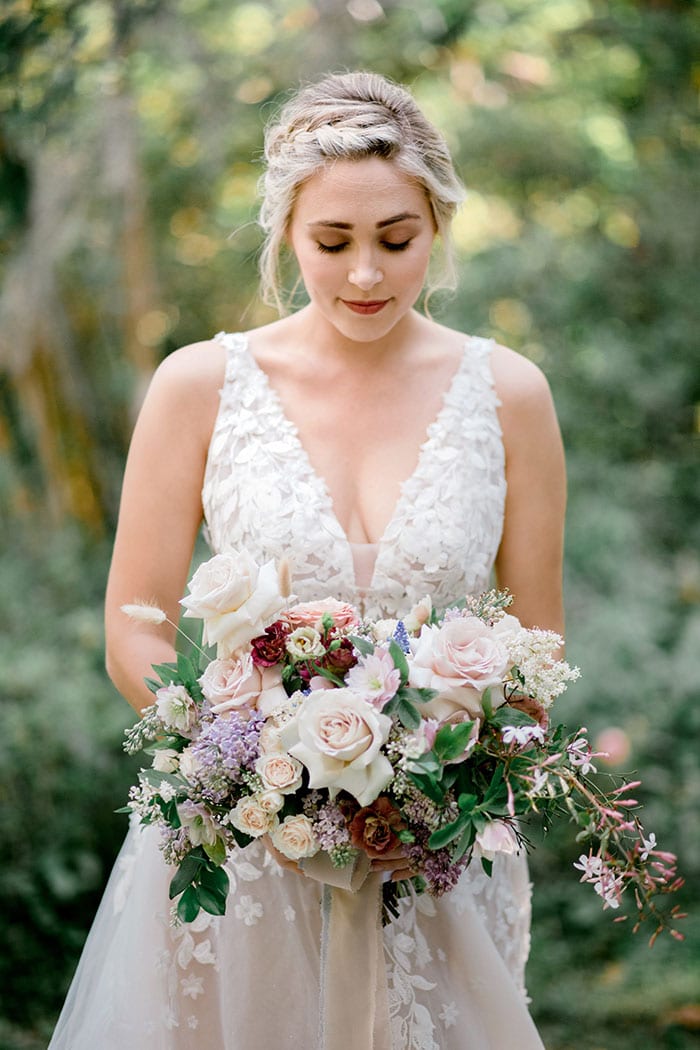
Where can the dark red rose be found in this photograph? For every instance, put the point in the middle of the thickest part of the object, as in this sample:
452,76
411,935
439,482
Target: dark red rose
269,648
341,659
374,828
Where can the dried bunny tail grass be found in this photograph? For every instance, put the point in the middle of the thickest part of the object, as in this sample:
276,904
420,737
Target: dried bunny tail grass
284,574
144,612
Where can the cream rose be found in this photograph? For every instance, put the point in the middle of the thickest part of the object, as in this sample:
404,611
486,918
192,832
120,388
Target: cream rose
460,660
231,683
235,598
270,801
310,614
279,772
295,838
338,736
250,817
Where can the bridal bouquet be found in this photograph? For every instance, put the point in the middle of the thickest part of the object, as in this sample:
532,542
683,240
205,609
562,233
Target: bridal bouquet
346,738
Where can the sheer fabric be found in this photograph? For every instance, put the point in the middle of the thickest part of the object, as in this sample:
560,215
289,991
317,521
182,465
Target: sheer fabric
250,980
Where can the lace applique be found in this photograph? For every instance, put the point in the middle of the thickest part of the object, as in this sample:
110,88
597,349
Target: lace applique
261,493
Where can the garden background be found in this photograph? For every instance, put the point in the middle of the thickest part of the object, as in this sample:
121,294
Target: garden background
130,139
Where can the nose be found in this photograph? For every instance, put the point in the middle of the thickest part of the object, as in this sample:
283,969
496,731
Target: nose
365,275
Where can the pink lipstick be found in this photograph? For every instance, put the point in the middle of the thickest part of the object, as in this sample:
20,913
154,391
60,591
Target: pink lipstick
369,306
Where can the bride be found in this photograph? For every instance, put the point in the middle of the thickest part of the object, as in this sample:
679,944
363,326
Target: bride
386,457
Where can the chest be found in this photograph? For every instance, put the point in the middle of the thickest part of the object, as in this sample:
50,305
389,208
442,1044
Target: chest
363,434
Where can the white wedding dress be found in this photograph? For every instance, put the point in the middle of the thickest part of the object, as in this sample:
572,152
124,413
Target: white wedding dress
250,980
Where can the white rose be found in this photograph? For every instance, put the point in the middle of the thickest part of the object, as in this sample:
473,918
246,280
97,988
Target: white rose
337,735
176,708
295,838
270,801
236,599
497,837
304,644
279,772
166,760
460,659
251,818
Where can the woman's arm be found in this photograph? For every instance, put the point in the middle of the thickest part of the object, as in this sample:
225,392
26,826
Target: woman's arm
160,512
529,561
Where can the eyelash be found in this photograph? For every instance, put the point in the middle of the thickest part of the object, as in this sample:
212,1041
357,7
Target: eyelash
333,249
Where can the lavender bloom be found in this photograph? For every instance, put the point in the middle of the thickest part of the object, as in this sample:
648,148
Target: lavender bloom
225,752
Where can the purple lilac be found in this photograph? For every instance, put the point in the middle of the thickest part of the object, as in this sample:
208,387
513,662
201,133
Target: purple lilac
329,827
226,749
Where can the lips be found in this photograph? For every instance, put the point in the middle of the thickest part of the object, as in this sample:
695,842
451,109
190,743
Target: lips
365,306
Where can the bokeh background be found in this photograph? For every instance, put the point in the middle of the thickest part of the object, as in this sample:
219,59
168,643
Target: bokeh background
130,141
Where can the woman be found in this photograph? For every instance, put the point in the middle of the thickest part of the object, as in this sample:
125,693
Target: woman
386,457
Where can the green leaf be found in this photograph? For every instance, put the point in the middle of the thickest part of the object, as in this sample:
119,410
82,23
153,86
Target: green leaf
466,803
486,704
167,672
363,645
185,874
429,786
155,779
400,661
451,741
188,906
468,836
215,879
212,902
511,716
443,836
487,865
408,715
417,695
216,851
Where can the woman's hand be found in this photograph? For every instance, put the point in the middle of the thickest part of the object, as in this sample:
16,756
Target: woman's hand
393,861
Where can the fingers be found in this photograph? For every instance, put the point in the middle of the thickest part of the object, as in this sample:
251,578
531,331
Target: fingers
284,862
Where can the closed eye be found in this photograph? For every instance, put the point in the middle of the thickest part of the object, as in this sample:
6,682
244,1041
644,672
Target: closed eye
331,247
394,246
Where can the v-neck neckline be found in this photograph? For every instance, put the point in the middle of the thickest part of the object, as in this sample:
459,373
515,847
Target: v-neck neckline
293,431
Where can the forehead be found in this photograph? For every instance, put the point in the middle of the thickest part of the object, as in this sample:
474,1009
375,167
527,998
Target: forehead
354,191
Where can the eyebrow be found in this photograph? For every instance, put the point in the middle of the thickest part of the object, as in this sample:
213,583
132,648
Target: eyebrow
380,225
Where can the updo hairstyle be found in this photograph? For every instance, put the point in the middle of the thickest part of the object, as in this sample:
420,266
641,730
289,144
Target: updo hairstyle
350,116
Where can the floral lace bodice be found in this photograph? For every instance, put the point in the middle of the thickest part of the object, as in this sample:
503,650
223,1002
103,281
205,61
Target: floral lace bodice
262,495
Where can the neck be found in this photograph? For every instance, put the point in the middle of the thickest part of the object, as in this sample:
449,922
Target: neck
318,336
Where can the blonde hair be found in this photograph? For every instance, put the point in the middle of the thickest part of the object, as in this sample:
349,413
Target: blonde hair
349,116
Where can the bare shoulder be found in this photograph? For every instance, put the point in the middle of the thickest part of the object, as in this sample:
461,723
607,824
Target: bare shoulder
198,367
519,382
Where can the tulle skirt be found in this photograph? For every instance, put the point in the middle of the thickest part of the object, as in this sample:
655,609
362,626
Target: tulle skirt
250,980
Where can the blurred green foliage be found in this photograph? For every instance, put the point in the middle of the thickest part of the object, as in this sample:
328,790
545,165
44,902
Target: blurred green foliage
574,125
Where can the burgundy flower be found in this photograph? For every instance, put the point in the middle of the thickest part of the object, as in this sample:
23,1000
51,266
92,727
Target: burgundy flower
268,649
341,659
374,828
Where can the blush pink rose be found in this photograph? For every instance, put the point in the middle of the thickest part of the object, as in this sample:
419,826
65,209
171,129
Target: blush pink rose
229,684
310,614
460,660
